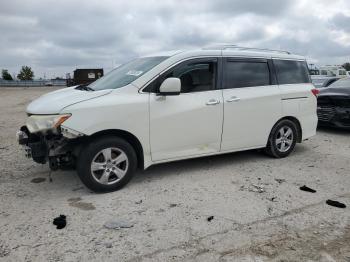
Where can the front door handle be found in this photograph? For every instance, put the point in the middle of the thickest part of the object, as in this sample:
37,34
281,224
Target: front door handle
213,102
233,99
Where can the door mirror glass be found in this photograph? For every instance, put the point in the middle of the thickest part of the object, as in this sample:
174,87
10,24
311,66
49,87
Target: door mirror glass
170,87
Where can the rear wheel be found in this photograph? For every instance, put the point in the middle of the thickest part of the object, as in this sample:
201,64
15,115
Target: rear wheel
107,164
282,139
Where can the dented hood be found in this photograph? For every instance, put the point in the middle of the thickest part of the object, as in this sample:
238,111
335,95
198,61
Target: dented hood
54,102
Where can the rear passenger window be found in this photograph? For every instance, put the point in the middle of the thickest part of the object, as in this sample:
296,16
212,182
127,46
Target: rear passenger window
291,72
246,74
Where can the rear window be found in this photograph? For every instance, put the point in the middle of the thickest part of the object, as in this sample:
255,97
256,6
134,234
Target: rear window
291,72
246,74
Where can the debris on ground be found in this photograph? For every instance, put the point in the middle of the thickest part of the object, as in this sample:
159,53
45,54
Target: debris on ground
280,180
335,203
307,189
4,250
258,188
38,180
273,199
118,224
60,222
210,218
173,205
253,188
138,202
108,245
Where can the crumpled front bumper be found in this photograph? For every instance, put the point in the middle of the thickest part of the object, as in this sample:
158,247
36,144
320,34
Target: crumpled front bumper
334,116
59,148
34,146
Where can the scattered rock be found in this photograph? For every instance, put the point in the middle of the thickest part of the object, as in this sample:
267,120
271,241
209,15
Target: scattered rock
173,205
253,188
4,250
138,202
38,180
273,199
269,210
108,245
60,222
258,188
335,203
307,189
118,224
280,180
210,218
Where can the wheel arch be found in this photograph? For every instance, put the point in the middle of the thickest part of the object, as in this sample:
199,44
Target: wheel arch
129,137
296,122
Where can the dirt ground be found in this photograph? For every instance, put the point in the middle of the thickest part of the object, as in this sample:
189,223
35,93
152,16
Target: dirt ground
259,213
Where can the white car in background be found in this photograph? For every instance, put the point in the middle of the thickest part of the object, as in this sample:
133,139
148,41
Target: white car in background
173,106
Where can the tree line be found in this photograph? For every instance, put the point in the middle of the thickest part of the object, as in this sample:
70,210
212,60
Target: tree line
26,73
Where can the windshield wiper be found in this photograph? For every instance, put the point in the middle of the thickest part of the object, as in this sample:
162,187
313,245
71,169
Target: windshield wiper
84,87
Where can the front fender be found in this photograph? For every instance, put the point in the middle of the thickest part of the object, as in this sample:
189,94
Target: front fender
128,111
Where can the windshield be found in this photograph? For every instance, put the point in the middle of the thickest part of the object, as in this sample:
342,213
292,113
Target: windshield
342,83
127,73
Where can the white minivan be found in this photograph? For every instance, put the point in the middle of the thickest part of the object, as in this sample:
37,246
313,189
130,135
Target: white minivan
172,106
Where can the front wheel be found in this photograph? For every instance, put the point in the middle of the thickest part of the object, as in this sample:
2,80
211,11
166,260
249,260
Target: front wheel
107,164
282,139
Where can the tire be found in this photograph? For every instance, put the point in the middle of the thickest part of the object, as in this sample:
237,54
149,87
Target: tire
282,139
106,164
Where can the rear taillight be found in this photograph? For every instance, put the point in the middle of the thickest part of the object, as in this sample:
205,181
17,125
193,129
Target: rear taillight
315,91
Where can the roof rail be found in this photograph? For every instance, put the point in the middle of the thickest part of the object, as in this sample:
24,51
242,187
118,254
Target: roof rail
225,47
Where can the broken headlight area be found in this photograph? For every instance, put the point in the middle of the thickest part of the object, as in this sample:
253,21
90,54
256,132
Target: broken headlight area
50,146
43,123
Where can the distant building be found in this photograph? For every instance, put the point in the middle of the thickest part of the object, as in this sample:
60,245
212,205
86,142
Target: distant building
85,76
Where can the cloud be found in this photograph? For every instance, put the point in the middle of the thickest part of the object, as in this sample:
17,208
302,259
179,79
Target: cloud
55,37
341,22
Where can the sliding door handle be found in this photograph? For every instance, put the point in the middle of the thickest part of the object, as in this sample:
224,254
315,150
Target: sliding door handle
213,102
233,99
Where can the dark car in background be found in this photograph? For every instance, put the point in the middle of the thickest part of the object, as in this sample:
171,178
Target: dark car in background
333,104
321,81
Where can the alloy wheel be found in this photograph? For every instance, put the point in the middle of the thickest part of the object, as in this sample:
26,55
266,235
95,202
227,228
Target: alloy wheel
284,139
109,166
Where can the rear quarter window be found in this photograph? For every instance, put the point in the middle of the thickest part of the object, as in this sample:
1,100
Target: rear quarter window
292,72
246,74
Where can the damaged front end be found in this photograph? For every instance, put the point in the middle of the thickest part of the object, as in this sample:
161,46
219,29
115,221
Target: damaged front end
334,110
47,141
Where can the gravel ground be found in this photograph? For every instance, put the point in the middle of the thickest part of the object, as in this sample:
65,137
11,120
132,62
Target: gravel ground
259,213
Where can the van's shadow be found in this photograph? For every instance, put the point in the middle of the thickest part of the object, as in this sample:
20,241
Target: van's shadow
176,168
198,164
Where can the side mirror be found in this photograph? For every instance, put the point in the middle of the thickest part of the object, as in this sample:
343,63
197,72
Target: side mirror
170,87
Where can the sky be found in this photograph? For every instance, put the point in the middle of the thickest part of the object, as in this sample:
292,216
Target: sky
56,37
